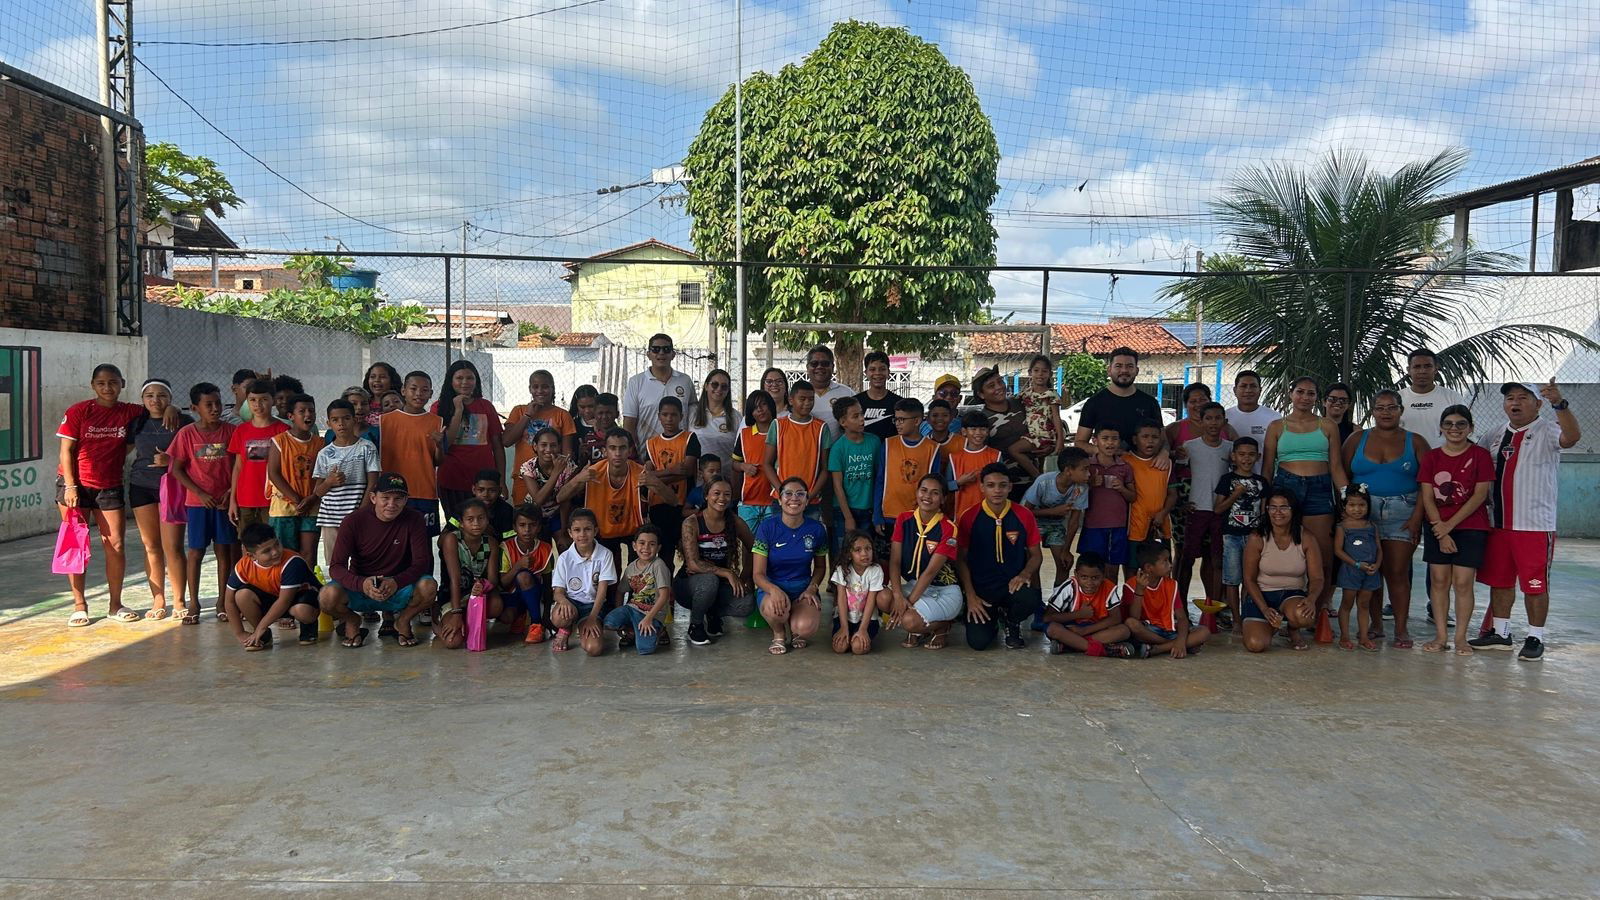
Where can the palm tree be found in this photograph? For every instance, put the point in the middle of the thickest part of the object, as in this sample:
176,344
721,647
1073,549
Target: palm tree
1392,295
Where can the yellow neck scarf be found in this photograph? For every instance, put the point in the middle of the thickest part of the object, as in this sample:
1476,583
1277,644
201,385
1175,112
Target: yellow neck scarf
997,516
922,536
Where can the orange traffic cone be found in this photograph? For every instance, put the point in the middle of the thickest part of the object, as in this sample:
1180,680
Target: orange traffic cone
1209,622
1324,628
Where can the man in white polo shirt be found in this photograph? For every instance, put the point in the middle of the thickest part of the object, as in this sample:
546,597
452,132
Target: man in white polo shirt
1424,399
1527,453
642,395
1247,416
819,371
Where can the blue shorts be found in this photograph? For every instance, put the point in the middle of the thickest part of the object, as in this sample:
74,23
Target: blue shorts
430,513
1391,515
1249,611
794,589
1233,558
1315,492
1111,543
628,616
1351,578
399,600
209,526
1162,633
754,515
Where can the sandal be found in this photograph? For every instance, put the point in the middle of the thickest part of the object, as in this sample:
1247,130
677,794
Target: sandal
405,640
1435,647
79,619
124,614
1464,650
191,616
264,644
912,640
222,614
288,622
159,613
798,643
1346,644
357,641
1402,644
562,641
936,642
1368,645
777,647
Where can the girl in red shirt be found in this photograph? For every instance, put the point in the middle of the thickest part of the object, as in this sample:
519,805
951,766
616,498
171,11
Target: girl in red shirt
471,435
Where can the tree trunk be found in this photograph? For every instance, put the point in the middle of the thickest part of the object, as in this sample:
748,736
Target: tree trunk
847,354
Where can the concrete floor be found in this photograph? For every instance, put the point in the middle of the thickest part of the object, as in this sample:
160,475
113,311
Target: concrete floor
159,760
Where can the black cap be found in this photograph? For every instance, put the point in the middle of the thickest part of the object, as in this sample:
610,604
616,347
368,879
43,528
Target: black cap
391,483
1510,386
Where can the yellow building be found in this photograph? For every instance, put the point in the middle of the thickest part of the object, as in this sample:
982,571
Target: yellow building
628,294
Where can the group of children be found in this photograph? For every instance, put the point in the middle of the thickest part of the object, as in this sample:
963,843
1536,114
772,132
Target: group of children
260,478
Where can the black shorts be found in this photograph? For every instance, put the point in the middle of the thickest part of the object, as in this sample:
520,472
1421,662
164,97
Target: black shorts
142,496
1469,553
91,498
307,597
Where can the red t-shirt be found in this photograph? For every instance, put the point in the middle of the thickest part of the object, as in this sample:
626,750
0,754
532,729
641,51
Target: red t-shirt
250,443
474,452
1452,479
204,455
102,436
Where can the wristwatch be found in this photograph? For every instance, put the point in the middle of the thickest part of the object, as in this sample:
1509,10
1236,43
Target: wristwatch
1560,407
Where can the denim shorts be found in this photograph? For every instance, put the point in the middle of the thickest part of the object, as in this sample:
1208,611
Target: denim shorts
1391,515
628,617
1315,492
397,601
938,603
1233,558
1250,612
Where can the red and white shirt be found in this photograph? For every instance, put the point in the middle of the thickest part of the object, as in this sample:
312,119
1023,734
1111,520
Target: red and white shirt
1525,462
102,436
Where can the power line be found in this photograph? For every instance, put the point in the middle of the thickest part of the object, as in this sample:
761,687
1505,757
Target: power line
563,234
284,178
374,37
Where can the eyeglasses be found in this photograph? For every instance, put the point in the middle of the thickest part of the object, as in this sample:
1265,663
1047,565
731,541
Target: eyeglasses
1332,400
816,363
793,495
1389,407
1282,509
1455,425
660,348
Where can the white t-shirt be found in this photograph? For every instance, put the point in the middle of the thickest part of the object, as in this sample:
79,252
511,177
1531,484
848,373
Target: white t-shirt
1207,465
1253,424
641,399
1422,411
580,577
1527,461
824,408
857,585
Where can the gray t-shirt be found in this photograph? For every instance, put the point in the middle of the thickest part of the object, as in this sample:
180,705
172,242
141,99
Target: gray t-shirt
1207,465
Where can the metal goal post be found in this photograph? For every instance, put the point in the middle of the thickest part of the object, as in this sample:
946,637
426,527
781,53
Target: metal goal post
774,327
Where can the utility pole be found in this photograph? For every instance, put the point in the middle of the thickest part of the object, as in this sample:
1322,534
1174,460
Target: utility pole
1199,314
741,324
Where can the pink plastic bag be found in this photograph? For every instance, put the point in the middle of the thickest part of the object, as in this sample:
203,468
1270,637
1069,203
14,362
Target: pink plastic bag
478,617
173,510
72,546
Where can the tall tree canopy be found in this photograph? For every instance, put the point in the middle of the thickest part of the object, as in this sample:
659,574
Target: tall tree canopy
873,150
1356,327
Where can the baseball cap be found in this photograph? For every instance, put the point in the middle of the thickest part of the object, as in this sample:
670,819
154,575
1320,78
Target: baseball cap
391,483
1510,386
945,379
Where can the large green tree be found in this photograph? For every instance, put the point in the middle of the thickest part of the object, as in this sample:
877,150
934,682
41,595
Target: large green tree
1359,326
873,150
356,310
175,183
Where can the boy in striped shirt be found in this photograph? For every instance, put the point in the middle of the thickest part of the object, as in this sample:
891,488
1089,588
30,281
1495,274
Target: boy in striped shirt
344,472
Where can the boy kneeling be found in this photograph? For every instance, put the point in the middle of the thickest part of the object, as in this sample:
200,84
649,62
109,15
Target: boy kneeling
1157,616
267,584
1084,614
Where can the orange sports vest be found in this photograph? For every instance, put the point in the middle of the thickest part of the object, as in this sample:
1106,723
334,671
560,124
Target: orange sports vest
666,452
753,449
1160,605
618,508
963,462
903,467
799,452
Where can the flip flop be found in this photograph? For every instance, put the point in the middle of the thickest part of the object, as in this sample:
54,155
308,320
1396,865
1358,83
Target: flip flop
264,644
357,641
1403,644
191,616
912,640
79,619
936,642
405,640
562,643
159,613
124,614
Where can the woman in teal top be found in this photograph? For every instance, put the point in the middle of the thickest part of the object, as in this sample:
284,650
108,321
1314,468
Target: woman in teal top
1386,458
1300,452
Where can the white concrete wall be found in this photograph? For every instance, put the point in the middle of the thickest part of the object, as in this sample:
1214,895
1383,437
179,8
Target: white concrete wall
27,489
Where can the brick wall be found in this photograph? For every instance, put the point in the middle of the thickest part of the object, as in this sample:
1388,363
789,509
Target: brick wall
51,251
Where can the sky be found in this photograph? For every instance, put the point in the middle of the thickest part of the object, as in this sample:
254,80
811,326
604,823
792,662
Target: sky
1117,123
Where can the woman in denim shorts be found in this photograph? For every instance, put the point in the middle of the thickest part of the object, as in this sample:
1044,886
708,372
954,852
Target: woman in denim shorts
1300,453
1386,458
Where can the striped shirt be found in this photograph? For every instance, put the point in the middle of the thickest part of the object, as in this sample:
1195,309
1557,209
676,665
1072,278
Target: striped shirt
355,461
1525,461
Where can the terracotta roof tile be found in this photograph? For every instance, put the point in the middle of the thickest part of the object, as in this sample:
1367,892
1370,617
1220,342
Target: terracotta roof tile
1099,339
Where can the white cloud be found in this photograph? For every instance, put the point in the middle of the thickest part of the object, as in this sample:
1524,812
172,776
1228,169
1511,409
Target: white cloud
71,62
999,61
1501,37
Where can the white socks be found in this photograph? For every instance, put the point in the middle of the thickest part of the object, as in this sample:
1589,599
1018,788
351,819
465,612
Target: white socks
1536,631
1502,627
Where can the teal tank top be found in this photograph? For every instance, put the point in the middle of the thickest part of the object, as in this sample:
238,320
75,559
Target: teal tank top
1302,446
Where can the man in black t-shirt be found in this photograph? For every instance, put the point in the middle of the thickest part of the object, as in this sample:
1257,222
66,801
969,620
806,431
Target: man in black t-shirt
1119,405
877,401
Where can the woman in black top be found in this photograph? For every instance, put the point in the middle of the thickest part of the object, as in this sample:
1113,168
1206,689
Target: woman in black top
164,558
709,582
1336,406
